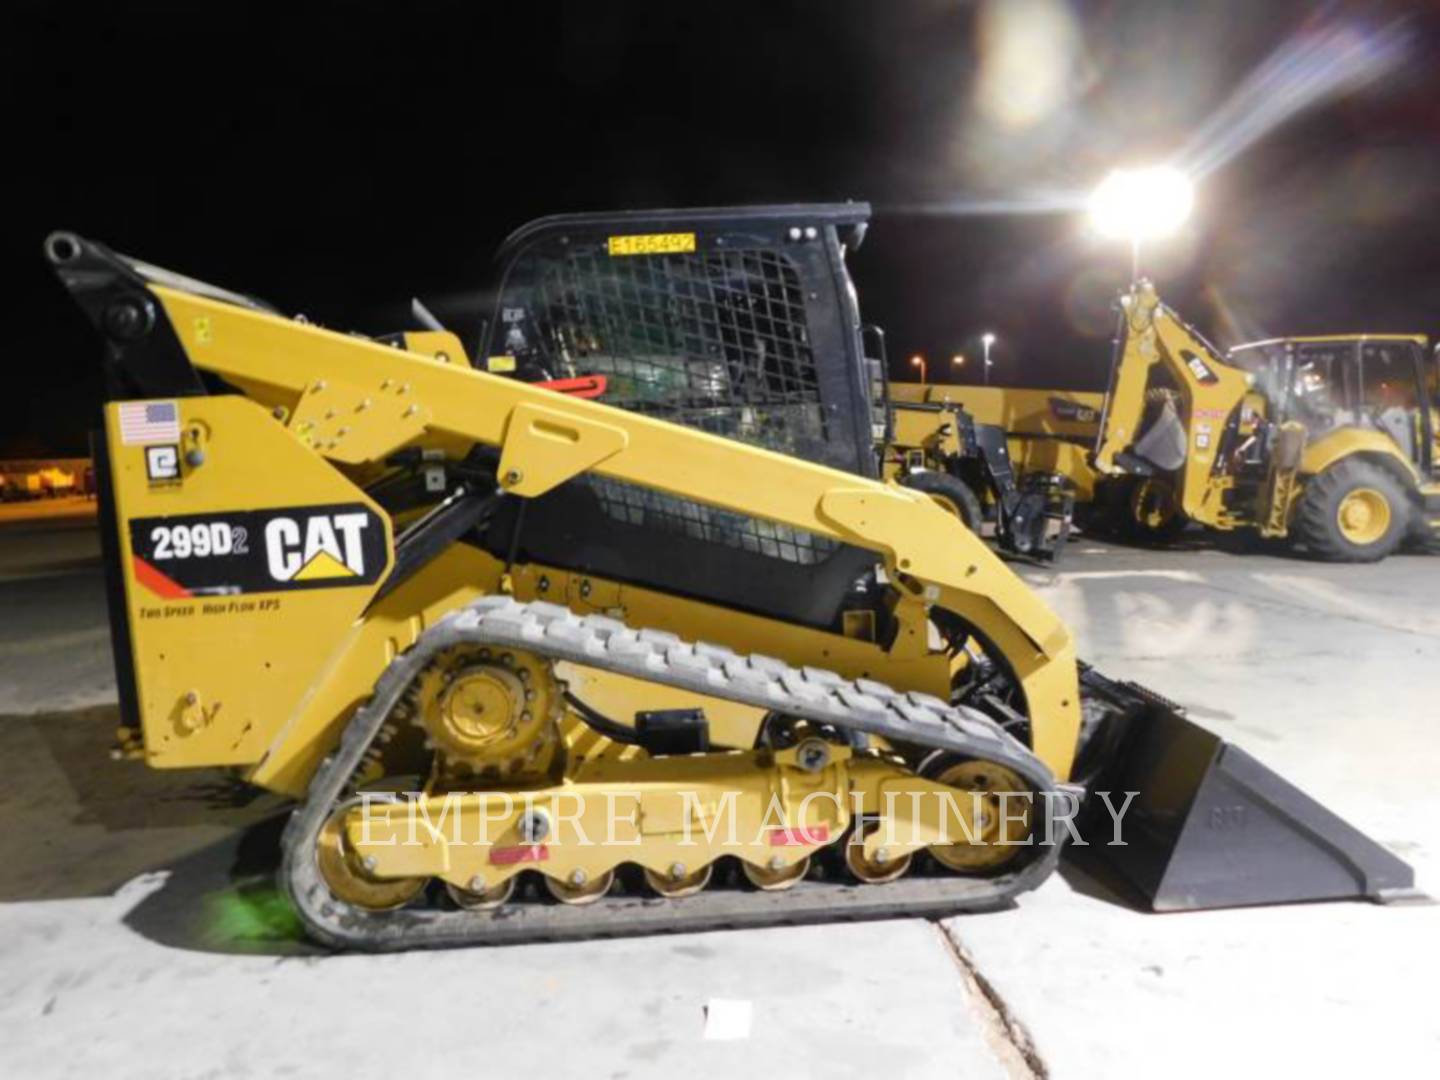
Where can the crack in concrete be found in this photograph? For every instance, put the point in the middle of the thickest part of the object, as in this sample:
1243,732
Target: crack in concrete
1007,1035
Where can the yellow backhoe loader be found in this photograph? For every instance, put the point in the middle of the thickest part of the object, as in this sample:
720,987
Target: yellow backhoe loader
613,629
1332,442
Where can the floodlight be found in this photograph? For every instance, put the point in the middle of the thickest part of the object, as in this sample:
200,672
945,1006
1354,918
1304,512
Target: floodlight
1141,204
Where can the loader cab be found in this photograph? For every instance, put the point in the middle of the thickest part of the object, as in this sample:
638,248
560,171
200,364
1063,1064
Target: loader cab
1378,382
742,322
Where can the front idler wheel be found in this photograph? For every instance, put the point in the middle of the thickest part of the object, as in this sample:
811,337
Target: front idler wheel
348,876
999,831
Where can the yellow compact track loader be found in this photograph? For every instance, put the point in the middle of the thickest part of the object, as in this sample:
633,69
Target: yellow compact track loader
614,630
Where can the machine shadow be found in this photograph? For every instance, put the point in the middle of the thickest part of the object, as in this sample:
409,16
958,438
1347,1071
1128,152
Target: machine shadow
224,899
80,825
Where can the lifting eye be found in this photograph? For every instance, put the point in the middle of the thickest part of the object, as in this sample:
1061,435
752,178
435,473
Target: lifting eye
62,247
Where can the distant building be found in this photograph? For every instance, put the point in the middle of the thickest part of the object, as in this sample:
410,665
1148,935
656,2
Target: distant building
45,478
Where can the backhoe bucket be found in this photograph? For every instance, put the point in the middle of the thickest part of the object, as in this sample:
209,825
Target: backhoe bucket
1211,827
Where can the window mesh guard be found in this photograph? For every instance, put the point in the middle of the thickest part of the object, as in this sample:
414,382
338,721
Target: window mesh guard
716,340
695,521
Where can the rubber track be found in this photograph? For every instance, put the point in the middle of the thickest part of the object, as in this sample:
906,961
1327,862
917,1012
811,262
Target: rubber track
607,644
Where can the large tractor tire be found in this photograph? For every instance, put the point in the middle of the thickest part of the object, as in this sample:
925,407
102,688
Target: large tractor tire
1150,513
1352,512
952,493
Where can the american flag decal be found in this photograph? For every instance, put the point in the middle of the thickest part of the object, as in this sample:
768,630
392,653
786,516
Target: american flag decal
145,422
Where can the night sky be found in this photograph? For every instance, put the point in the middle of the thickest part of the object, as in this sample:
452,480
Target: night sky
339,158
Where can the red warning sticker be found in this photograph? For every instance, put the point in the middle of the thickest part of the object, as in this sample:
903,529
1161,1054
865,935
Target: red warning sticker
802,836
509,856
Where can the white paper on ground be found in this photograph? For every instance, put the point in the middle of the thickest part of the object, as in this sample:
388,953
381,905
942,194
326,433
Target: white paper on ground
727,1020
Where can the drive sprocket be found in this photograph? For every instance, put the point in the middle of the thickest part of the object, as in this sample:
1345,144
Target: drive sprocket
489,714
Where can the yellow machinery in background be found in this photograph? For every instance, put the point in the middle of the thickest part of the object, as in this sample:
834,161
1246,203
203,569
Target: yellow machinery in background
1010,457
1329,441
1046,431
1332,442
616,611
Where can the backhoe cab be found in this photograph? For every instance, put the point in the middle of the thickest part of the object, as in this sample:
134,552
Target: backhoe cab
1329,441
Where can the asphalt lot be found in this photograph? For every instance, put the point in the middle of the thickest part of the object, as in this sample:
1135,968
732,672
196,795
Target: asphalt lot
140,935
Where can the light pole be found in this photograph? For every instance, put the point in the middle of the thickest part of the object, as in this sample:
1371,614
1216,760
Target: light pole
987,340
919,361
1141,204
956,362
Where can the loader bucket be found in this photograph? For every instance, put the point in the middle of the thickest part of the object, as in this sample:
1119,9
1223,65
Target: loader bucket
1211,827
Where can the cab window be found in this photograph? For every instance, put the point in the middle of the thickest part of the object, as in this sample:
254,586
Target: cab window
1321,394
1387,376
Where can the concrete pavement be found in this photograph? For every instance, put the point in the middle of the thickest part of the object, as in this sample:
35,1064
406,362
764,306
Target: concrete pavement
140,935
1331,676
86,996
